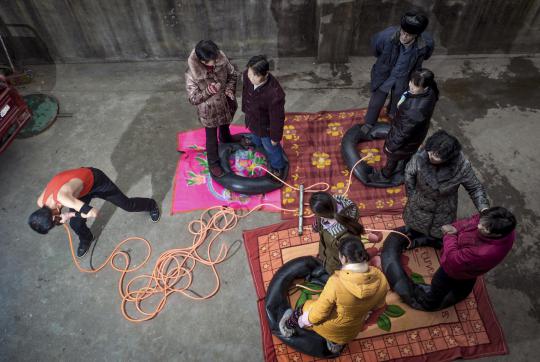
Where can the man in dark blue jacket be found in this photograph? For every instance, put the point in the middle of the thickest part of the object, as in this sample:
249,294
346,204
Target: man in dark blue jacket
399,51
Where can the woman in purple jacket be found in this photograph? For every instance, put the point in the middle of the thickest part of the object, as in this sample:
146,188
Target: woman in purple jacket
263,102
471,248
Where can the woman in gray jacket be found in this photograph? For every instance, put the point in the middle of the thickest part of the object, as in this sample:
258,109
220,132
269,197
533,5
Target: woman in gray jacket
432,180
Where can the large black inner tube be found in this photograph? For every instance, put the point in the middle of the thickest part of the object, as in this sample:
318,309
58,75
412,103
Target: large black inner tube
277,302
400,282
245,185
351,155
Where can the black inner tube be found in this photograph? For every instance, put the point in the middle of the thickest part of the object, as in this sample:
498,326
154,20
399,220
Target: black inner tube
400,282
277,302
241,184
351,156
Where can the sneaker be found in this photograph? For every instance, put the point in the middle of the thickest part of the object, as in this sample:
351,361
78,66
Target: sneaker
334,348
285,330
155,214
84,247
217,171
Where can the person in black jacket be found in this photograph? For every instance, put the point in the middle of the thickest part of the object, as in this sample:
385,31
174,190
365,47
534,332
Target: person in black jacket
411,125
399,50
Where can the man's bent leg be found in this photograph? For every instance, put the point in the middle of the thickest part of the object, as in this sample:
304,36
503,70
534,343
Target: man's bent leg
107,190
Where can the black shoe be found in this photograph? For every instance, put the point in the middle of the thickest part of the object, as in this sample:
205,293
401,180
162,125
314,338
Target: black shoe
84,246
155,214
378,176
366,129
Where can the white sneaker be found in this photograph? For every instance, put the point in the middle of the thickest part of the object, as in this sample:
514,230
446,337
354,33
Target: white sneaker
286,331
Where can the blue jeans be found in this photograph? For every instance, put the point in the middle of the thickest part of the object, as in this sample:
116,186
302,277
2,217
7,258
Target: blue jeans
275,153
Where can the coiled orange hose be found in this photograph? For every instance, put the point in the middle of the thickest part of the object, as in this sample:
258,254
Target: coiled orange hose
172,273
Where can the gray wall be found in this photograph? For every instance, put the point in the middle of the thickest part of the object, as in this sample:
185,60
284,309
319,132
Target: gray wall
119,30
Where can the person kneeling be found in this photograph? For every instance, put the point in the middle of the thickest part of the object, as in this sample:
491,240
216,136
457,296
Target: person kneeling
471,247
339,314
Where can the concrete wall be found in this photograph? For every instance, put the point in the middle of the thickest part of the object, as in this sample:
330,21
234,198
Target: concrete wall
119,30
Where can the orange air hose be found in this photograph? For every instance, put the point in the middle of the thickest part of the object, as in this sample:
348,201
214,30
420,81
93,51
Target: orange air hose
170,269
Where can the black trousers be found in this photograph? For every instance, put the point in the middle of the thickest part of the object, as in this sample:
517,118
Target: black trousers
212,142
444,291
376,103
105,189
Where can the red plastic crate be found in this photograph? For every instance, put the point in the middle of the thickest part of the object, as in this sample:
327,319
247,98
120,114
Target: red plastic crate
14,113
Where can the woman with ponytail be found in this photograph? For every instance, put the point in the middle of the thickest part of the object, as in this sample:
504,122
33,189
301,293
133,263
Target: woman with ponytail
346,301
335,217
410,127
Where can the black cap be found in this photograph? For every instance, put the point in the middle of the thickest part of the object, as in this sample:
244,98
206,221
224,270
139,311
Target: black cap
414,23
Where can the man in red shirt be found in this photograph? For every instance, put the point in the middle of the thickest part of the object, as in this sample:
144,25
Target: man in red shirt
471,248
75,189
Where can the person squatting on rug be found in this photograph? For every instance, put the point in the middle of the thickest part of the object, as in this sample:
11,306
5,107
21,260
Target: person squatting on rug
471,247
211,87
346,301
75,189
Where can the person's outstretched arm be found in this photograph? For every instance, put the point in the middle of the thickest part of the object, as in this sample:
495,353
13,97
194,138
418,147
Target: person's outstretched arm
475,188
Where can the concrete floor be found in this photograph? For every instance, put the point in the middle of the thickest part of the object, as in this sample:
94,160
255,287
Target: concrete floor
123,118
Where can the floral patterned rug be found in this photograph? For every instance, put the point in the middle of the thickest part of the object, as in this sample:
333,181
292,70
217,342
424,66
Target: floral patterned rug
194,189
312,141
396,332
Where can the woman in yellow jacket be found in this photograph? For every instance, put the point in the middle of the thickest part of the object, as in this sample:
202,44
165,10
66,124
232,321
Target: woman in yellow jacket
346,301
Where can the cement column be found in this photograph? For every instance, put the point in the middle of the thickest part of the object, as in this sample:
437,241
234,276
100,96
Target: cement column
335,27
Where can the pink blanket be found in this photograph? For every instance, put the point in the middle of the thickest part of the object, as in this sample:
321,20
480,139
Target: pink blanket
194,189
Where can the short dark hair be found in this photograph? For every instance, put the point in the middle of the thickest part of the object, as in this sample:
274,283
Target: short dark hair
414,22
41,220
259,65
425,78
498,220
353,249
206,50
444,145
